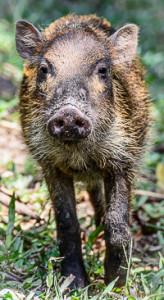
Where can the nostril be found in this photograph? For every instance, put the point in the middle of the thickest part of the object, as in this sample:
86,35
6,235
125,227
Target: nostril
79,123
59,123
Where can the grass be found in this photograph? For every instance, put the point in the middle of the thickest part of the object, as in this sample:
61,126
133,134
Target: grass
29,256
29,261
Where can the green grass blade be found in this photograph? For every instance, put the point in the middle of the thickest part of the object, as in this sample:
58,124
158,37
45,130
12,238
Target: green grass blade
129,263
109,288
10,225
92,237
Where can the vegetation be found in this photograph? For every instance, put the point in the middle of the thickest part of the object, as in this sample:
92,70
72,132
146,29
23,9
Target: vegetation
29,257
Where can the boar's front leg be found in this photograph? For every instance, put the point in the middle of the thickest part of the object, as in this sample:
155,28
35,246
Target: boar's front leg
68,231
116,227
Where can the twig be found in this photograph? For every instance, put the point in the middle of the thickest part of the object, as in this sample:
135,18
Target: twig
20,208
118,296
159,148
149,194
153,295
9,125
148,176
11,277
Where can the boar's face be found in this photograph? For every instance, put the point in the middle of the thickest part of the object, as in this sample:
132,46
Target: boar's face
72,74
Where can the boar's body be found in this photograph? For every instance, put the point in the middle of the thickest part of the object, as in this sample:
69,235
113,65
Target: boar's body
84,114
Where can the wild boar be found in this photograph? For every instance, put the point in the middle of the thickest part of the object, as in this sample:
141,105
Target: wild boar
84,113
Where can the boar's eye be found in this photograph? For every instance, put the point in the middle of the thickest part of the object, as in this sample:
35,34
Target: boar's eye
43,70
102,71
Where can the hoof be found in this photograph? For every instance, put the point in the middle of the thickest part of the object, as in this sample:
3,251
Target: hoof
80,276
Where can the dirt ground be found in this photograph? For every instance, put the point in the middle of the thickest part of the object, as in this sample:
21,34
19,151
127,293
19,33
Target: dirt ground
12,147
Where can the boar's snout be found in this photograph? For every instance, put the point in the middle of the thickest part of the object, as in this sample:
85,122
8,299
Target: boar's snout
69,124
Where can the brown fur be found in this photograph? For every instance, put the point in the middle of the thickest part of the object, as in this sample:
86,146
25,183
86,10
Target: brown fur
108,157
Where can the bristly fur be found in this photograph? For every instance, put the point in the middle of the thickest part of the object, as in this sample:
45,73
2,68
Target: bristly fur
73,47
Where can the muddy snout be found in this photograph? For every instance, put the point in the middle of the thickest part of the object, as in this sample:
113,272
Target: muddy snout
69,123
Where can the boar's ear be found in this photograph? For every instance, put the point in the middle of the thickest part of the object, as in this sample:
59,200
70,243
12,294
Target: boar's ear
28,39
124,43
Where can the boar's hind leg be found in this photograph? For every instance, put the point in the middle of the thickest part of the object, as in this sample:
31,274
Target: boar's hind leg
68,231
97,199
116,227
